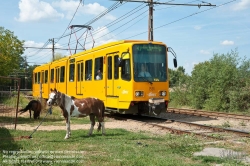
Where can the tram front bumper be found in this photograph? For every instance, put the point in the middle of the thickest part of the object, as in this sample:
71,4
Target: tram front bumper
156,105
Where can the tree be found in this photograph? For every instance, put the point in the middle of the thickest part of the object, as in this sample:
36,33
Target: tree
221,83
58,56
11,49
177,77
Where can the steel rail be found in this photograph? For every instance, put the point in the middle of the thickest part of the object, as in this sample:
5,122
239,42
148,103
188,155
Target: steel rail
207,113
179,131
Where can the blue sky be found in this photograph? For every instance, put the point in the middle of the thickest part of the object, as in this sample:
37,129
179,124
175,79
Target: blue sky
194,33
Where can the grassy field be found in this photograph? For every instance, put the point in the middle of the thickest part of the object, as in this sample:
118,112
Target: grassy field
118,147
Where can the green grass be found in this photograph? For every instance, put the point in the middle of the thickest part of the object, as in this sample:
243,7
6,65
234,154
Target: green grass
118,147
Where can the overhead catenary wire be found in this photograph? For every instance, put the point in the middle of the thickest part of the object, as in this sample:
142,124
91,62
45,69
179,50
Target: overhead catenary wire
63,33
40,49
176,20
114,6
172,21
183,18
122,18
69,22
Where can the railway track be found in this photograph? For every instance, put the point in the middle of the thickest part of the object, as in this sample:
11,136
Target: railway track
183,127
207,113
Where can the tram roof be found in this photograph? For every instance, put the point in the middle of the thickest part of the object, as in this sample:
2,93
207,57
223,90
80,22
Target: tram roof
112,44
101,47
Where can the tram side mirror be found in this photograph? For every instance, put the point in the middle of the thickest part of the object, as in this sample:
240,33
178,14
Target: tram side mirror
175,62
174,54
125,55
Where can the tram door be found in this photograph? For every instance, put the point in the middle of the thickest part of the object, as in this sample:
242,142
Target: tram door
110,81
60,79
79,79
44,81
112,75
57,78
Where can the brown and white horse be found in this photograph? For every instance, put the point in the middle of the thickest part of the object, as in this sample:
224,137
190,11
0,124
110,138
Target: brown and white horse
78,108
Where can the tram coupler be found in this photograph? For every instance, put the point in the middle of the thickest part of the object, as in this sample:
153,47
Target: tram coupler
156,106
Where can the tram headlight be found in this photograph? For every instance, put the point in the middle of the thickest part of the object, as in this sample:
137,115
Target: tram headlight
163,93
139,93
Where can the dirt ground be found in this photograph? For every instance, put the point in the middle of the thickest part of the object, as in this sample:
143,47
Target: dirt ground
137,127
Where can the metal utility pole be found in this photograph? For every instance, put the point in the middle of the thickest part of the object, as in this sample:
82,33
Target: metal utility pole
53,49
25,73
150,16
150,21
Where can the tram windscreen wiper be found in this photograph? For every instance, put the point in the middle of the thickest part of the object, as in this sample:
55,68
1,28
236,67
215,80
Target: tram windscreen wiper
145,78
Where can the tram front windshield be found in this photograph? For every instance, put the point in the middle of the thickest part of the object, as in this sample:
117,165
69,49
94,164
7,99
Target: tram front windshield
150,63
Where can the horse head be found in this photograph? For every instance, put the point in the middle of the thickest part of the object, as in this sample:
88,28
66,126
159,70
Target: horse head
54,97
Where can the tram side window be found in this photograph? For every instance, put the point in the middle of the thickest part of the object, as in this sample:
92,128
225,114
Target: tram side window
80,71
71,72
99,68
35,78
62,74
52,75
57,74
126,73
46,77
125,70
42,77
110,67
82,65
88,70
116,67
38,77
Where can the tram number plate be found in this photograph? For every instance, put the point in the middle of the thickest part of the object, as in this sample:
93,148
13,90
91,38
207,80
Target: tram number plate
156,101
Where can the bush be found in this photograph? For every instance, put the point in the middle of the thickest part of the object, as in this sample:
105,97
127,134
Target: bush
220,84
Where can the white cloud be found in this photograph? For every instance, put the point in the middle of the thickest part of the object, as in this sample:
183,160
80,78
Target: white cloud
34,10
32,44
204,52
68,6
227,42
197,27
89,9
242,5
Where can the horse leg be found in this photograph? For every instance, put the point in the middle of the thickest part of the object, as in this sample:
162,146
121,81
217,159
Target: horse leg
30,113
101,124
92,119
68,132
69,129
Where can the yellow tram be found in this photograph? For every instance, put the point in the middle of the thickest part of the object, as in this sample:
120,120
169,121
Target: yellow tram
130,76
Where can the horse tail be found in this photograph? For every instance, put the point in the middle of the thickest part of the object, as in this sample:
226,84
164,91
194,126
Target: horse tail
27,107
